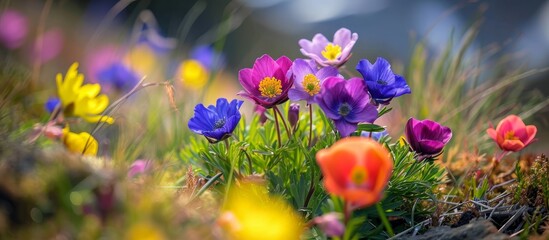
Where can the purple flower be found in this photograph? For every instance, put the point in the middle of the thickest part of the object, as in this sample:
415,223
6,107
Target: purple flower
427,138
347,103
13,29
381,82
216,123
139,167
99,59
267,83
308,80
293,114
119,76
330,224
327,53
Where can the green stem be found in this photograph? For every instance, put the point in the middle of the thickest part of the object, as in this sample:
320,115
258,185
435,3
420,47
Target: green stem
226,141
277,128
311,190
310,125
346,213
249,162
384,219
283,121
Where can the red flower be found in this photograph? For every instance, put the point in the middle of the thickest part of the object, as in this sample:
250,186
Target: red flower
356,169
512,134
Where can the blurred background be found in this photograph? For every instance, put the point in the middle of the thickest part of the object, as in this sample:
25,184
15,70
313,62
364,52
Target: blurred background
59,32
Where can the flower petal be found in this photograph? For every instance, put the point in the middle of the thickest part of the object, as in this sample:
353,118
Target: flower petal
345,128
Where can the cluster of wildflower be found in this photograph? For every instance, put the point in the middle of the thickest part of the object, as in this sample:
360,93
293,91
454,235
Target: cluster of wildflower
76,100
357,169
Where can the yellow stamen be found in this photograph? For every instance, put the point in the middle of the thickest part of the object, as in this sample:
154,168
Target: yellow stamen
510,136
270,87
332,51
311,84
359,175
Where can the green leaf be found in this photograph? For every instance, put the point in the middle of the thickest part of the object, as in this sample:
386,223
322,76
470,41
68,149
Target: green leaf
383,111
368,127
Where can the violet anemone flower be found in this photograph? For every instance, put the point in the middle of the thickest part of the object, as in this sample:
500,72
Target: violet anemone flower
381,82
268,82
327,53
293,114
346,102
427,138
308,80
216,123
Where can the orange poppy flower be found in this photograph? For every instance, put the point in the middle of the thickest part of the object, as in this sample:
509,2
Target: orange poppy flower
356,169
512,134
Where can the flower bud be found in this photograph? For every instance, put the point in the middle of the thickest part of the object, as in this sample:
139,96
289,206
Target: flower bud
330,224
293,114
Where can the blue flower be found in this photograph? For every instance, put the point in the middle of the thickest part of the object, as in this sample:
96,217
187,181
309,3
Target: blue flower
52,103
119,76
216,123
208,57
374,135
381,82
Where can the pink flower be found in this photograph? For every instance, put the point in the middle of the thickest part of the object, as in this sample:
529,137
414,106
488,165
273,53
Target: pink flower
48,45
268,82
139,167
13,29
512,134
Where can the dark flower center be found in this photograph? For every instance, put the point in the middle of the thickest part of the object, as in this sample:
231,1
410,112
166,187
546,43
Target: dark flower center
382,82
344,109
219,123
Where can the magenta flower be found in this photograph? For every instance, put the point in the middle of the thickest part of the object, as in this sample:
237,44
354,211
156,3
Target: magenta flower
427,138
49,45
268,82
139,167
13,29
327,53
308,80
347,103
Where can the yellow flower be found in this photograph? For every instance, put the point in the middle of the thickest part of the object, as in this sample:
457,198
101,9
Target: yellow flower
81,100
193,74
144,230
250,213
143,59
81,143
